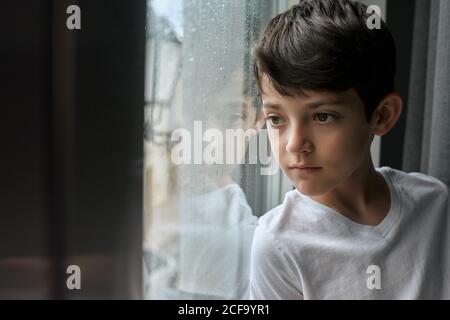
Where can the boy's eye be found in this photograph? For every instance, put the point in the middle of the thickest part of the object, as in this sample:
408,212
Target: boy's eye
323,117
274,120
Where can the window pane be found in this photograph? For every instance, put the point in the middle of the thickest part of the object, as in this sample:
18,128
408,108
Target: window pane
200,209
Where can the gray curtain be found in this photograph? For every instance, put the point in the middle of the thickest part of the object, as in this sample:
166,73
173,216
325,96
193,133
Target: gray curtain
427,138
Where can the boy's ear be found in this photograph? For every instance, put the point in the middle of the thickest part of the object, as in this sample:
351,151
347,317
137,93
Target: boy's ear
386,114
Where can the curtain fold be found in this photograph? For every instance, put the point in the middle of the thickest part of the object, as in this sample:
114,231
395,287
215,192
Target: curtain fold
439,155
427,138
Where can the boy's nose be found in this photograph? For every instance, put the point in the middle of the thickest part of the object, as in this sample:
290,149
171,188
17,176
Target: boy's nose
298,142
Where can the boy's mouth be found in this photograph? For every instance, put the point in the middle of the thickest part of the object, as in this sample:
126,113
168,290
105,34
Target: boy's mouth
304,168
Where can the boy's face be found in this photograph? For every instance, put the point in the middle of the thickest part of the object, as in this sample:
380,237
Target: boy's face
324,130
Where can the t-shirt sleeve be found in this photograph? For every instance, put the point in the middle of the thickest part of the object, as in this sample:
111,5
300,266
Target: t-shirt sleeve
271,274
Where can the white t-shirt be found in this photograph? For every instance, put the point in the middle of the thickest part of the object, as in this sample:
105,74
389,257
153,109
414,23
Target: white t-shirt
305,250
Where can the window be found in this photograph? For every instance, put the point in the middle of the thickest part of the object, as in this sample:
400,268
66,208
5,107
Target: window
200,217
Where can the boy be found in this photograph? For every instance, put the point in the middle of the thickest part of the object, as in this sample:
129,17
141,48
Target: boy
348,230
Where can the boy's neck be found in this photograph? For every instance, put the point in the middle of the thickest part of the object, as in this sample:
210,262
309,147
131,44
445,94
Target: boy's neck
363,198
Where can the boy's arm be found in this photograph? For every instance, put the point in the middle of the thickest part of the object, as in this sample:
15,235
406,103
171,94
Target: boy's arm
271,277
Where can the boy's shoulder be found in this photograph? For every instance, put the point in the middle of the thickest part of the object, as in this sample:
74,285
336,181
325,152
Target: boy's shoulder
299,212
273,216
296,213
417,183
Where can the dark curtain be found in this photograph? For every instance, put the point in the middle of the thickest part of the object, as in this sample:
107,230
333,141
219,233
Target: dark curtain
427,137
71,160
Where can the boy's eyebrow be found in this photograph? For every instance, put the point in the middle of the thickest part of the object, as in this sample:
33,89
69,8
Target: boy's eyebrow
310,105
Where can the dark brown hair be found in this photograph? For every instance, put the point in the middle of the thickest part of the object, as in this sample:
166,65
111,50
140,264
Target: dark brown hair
325,45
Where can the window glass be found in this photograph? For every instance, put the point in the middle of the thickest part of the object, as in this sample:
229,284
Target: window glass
201,207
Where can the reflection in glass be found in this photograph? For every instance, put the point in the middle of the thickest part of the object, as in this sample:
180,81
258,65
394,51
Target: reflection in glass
198,220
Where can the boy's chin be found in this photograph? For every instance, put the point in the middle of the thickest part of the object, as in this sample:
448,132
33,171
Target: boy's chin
310,190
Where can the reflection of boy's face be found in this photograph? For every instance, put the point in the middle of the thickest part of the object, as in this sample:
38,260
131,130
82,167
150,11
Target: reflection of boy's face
334,136
229,109
234,115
